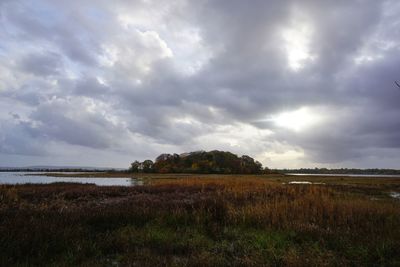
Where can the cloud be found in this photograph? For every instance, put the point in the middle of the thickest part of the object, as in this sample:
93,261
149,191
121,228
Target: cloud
41,64
292,84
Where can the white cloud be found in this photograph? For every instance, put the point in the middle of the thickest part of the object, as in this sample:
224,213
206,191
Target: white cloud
292,85
297,38
299,120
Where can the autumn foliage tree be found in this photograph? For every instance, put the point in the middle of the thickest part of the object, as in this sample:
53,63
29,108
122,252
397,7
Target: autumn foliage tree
200,162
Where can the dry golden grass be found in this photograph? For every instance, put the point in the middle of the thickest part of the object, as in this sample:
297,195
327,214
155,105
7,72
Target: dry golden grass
199,220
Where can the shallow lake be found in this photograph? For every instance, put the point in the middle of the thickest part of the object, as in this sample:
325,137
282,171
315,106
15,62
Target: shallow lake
34,178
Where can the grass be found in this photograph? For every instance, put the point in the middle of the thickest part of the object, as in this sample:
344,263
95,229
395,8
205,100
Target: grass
206,221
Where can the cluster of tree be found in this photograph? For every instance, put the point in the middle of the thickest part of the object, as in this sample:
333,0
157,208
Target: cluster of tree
200,162
341,171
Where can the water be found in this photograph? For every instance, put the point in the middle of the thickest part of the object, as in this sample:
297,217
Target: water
304,182
395,195
299,182
347,175
34,178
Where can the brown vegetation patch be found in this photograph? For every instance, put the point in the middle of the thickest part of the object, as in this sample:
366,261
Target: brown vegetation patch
197,221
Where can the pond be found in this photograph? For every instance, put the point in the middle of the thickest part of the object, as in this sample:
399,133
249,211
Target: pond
35,178
305,182
395,195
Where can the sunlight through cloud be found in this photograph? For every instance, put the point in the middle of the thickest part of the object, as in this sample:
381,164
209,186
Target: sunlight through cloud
297,41
297,120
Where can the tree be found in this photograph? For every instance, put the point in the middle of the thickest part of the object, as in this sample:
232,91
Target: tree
201,162
134,166
147,166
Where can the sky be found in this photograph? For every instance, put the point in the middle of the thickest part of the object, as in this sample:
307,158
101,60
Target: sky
291,83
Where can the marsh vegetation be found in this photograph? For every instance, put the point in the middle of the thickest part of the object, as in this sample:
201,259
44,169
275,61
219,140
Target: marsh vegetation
209,220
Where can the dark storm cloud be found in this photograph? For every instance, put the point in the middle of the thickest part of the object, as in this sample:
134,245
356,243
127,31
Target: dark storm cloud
183,75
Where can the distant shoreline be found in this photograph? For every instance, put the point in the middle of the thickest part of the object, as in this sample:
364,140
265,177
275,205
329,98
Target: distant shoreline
344,174
60,170
341,171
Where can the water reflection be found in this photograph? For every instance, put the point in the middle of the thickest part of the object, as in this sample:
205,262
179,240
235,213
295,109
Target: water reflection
34,178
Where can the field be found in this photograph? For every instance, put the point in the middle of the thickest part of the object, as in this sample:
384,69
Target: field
209,220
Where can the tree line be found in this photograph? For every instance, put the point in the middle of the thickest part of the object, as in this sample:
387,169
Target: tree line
375,171
215,161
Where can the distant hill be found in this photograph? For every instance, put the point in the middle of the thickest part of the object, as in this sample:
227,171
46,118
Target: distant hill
200,162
